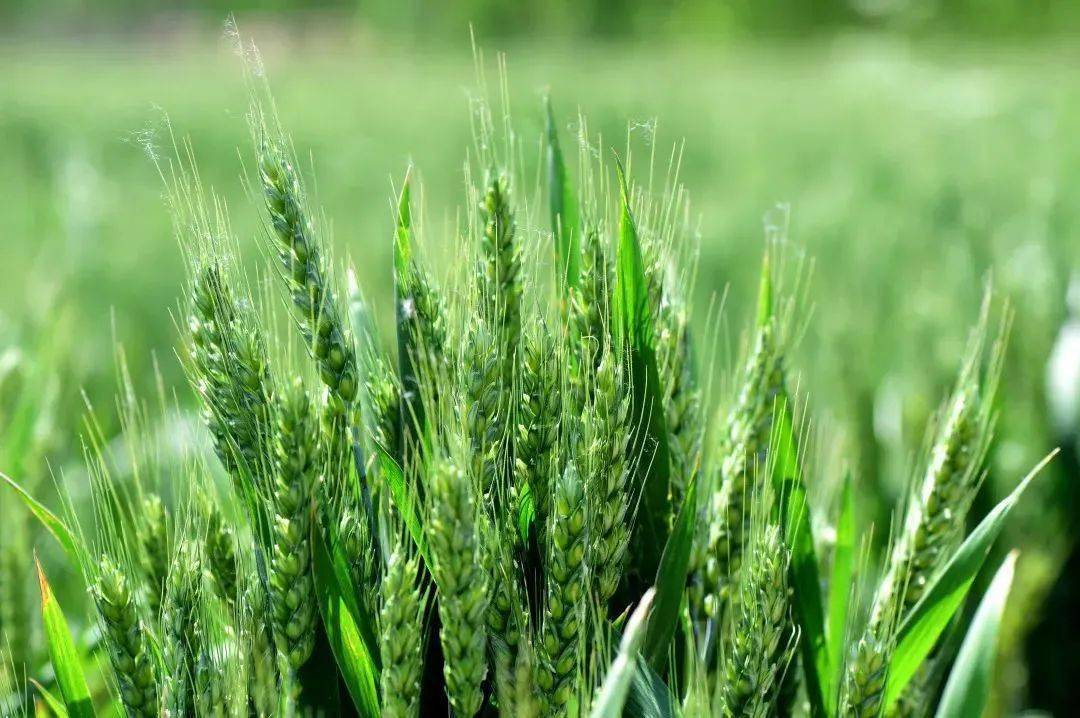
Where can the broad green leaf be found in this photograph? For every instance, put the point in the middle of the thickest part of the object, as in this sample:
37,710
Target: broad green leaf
404,500
562,204
843,564
611,697
65,658
968,689
348,630
671,582
633,328
922,627
804,573
51,700
52,523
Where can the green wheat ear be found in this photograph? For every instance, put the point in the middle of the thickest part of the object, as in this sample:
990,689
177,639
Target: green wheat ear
763,637
305,272
155,548
605,435
401,634
221,553
515,685
744,446
564,608
291,588
182,639
540,420
863,690
500,259
462,585
230,372
126,638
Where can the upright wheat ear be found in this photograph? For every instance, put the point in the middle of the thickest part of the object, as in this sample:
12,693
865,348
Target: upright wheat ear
291,588
484,410
155,549
605,433
590,302
401,639
863,690
462,584
763,636
937,508
125,637
500,259
563,628
743,449
221,553
182,639
540,421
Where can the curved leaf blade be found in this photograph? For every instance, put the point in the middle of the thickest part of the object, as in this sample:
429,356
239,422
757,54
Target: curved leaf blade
51,700
803,570
611,697
923,626
348,630
671,582
562,204
633,328
62,652
968,689
52,523
404,500
843,565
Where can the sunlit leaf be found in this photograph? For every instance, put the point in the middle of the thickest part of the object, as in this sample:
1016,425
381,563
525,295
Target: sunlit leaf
66,662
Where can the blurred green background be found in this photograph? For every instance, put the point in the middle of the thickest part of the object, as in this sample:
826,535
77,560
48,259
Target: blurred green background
916,147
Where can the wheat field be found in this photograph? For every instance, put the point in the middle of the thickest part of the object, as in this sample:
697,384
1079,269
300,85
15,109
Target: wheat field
633,402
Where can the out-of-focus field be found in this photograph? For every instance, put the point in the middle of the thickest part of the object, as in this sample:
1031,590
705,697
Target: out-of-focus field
911,173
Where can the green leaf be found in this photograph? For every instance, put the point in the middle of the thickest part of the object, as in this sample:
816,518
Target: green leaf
922,627
671,582
52,523
843,564
348,630
611,697
65,658
649,696
803,570
562,203
403,231
968,689
648,449
51,700
765,292
404,500
412,420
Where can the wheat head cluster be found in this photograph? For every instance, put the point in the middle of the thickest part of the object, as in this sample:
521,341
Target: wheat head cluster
531,499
